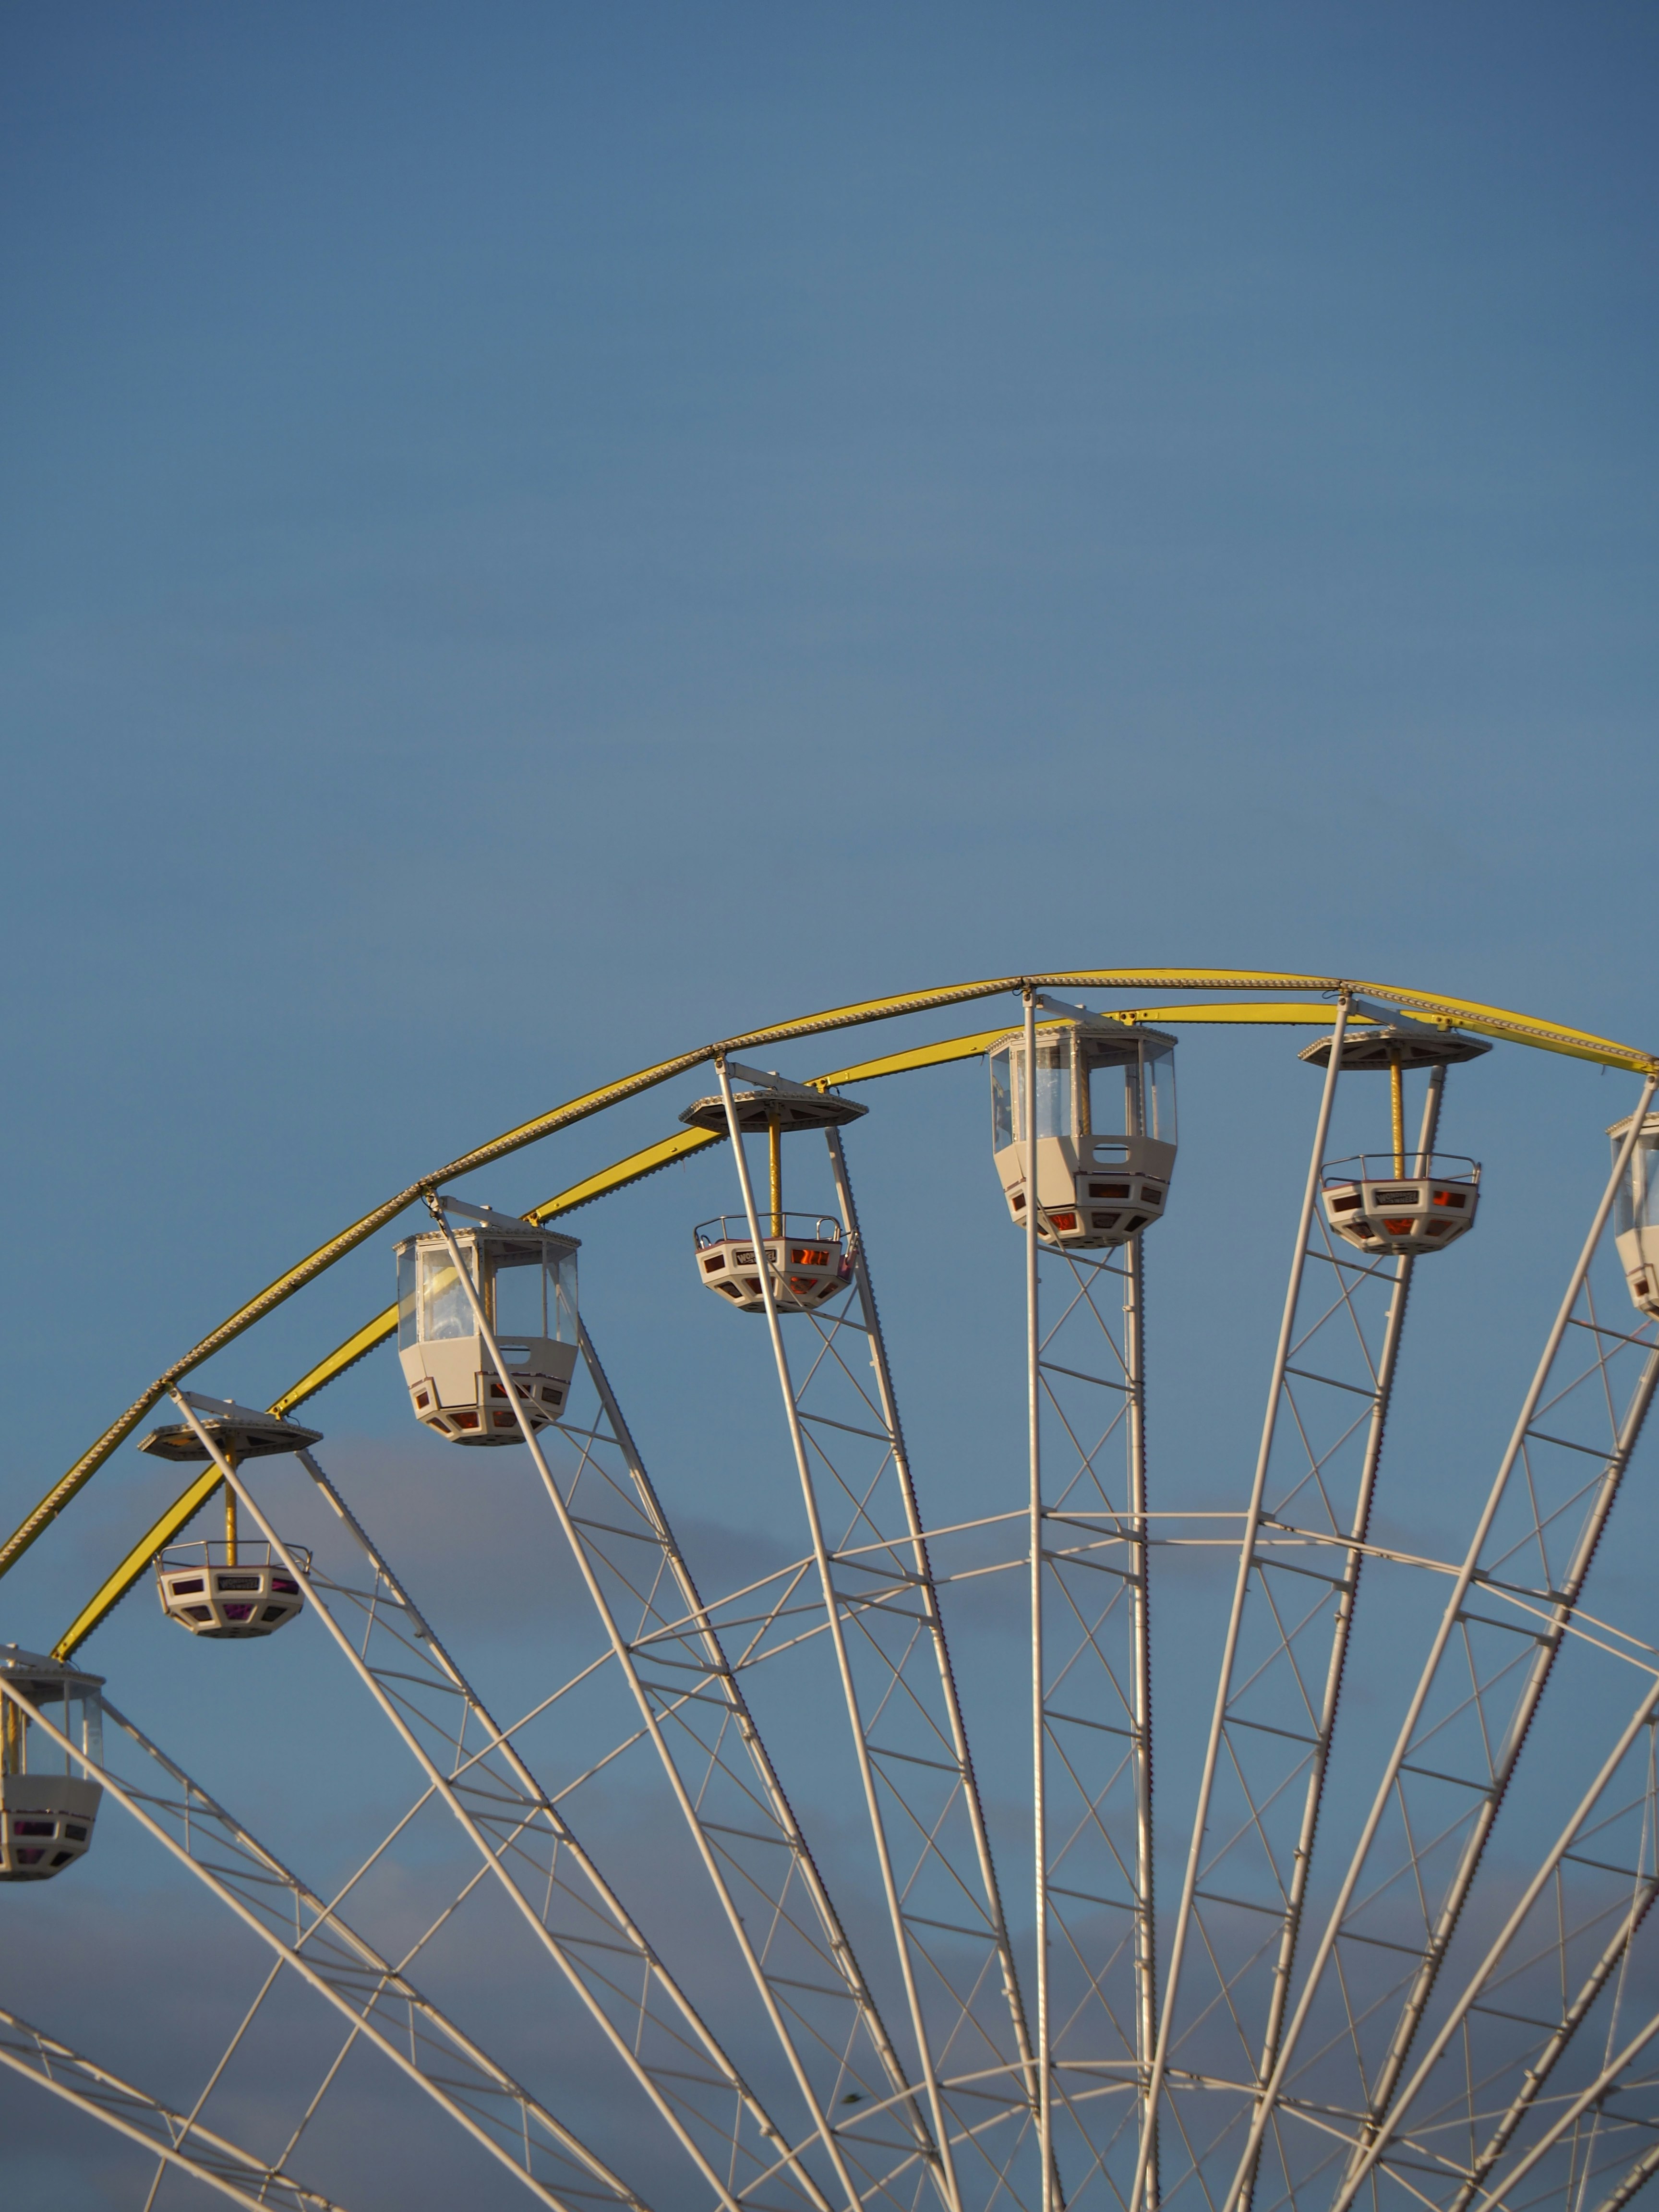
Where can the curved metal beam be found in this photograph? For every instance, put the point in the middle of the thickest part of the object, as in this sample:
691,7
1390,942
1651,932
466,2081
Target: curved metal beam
631,1168
1446,1012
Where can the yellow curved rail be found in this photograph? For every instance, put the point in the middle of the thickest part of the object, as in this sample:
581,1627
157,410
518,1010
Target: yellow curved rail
1472,1015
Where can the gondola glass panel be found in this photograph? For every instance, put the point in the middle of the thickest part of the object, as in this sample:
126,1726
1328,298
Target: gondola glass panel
1105,1128
47,1804
525,1280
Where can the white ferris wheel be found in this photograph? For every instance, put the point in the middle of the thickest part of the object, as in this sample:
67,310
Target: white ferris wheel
613,1941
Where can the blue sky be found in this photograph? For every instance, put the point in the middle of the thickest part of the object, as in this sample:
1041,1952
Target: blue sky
534,536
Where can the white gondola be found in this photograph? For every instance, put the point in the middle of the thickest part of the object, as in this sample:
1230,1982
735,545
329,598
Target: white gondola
47,1808
1105,1128
1399,1201
526,1281
1636,1212
1370,1204
808,1263
229,1590
806,1252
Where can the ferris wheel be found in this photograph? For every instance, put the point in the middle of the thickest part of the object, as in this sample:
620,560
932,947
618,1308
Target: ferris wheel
810,1890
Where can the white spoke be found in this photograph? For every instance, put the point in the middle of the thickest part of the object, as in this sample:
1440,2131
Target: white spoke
738,1972
375,1998
1478,1758
178,2140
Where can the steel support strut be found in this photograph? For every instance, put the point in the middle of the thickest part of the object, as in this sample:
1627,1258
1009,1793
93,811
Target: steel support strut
1516,1736
345,1970
648,1714
1240,1589
529,1803
1587,2100
1638,2177
946,2169
926,1591
1051,2193
177,2139
1342,1625
1145,1963
1538,1674
535,1809
695,1632
1087,1558
1447,2031
1573,2016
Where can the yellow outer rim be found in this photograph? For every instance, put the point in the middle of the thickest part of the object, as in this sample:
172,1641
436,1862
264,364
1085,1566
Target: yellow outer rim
1498,1023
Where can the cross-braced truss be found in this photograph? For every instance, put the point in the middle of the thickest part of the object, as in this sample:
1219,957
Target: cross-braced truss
668,1648
178,2140
881,1612
380,2005
1092,1650
1560,1964
568,1907
1404,2013
1282,1674
1512,1603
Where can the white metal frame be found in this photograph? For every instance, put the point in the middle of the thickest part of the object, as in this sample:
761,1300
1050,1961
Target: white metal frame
1277,1708
881,1610
833,2141
1563,1598
1032,2113
177,2139
373,1995
1088,1568
499,1806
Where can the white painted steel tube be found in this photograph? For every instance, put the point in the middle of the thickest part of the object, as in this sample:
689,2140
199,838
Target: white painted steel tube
946,2169
109,2098
1039,1745
722,1670
1302,1857
1529,1896
625,1661
441,1784
1134,1347
1425,1683
1568,2119
569,1843
924,1571
1241,1587
293,1956
1538,1671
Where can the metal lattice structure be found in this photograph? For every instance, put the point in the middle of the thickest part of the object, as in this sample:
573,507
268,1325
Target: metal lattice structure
1387,1939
